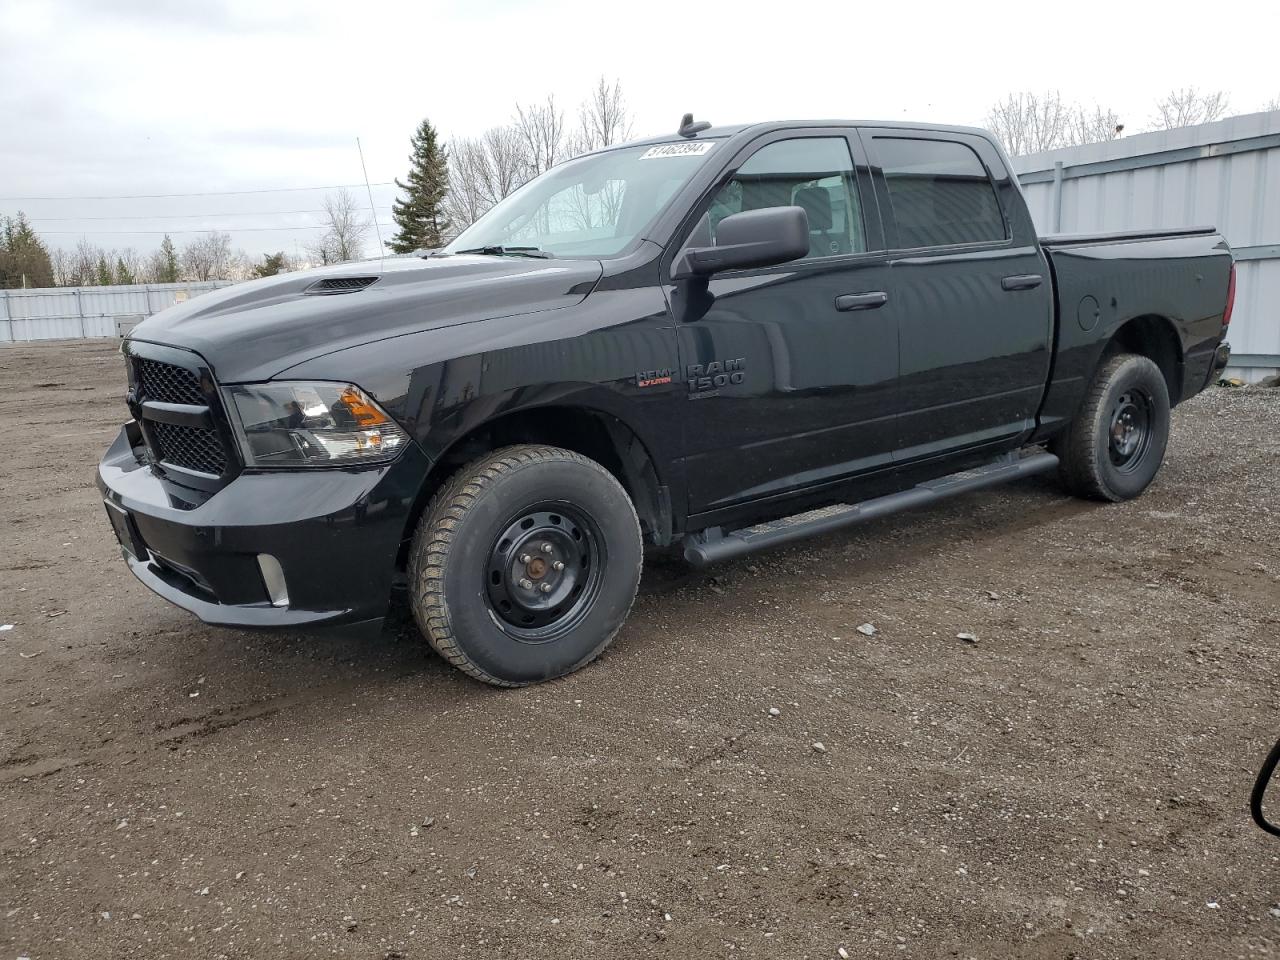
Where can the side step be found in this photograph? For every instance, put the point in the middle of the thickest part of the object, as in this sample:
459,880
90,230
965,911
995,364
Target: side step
713,545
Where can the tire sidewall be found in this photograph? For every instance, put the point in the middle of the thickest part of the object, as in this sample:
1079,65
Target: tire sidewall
472,621
1140,373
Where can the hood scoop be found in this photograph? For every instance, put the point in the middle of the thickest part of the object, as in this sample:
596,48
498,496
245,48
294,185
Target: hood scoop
340,285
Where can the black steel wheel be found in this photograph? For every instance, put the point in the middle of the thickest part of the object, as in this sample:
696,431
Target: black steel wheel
525,564
545,570
1113,449
1130,432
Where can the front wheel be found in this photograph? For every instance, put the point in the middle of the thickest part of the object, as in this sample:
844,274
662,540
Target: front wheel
525,565
1115,445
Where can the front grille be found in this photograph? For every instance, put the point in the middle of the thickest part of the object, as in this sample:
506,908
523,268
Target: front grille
168,383
194,448
181,444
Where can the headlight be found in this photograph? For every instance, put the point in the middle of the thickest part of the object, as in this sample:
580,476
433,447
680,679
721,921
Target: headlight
296,424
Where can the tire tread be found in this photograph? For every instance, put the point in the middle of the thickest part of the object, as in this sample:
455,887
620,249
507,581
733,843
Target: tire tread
1077,447
434,537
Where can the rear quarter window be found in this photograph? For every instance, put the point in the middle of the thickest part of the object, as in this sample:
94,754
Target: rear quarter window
939,193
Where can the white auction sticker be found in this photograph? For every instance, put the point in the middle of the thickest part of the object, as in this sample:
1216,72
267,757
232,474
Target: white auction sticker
692,149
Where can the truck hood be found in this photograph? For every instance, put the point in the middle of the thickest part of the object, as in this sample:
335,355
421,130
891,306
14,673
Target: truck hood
252,331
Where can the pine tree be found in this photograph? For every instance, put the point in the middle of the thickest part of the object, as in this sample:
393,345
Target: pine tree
420,215
24,259
103,276
123,274
167,271
272,264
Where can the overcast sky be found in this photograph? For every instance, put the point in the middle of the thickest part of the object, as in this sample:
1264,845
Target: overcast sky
104,98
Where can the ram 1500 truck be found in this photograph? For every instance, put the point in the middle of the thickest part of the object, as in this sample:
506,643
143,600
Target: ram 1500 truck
726,338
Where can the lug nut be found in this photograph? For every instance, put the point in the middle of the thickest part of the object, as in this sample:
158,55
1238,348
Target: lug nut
546,588
547,548
558,566
526,584
525,558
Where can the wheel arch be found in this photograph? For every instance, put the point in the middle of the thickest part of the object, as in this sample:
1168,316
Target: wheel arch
1156,338
592,432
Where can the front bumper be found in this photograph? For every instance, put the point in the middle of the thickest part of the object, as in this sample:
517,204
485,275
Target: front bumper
334,533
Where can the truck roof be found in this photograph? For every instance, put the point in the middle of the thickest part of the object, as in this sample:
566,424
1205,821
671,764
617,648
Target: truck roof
729,131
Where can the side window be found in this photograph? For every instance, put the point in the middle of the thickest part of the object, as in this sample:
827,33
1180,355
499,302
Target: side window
939,191
815,173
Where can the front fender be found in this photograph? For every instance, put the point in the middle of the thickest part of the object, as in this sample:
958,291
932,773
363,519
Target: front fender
444,384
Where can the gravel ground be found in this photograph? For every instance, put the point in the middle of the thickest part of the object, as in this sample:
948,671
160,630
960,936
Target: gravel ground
1072,784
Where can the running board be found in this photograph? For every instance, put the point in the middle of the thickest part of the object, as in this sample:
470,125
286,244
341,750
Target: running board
713,545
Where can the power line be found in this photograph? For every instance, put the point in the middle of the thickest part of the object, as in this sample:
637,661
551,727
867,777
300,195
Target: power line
206,193
182,216
305,226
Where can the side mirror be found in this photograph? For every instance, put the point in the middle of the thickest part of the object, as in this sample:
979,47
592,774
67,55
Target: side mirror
1260,790
754,238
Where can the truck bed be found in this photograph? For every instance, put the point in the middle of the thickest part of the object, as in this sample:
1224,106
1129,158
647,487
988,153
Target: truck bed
1172,280
1121,236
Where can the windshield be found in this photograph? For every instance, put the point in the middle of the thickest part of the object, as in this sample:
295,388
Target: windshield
594,206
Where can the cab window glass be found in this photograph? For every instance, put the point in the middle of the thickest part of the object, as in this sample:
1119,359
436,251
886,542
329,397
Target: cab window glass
597,205
814,173
575,215
939,192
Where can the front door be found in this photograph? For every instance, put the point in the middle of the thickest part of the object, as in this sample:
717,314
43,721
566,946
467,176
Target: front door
970,290
790,371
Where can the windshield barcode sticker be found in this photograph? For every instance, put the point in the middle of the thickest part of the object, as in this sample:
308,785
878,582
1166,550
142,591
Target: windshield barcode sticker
695,149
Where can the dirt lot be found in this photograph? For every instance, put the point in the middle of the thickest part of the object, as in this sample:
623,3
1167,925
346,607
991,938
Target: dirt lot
1072,785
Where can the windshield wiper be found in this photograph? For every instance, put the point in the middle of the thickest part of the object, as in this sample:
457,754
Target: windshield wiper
508,252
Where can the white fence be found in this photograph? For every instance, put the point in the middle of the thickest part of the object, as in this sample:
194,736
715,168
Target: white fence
1225,174
57,313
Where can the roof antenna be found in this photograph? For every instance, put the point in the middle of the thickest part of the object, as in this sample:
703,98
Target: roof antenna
690,129
382,251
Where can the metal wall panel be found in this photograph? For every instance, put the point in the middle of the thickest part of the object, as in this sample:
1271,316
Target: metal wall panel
60,313
1226,174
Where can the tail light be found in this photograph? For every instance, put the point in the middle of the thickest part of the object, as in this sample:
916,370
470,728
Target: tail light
1231,298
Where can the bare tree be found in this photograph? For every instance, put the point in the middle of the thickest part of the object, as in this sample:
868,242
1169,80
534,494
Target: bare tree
1189,106
208,257
129,266
83,264
465,200
1093,126
483,171
345,230
603,117
239,267
154,268
60,261
543,136
1030,123
1272,104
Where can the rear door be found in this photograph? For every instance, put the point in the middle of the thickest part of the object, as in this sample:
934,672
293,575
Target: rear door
969,287
789,382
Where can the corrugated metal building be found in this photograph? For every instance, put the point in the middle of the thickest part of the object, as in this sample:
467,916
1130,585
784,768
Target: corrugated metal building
1226,174
57,313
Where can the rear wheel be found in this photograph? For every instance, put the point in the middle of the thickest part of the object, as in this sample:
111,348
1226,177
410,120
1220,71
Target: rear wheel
1115,445
525,565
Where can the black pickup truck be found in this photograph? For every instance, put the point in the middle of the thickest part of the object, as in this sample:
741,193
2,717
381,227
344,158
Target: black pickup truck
729,338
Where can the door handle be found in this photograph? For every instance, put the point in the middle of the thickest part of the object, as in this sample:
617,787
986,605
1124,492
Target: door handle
1023,281
862,301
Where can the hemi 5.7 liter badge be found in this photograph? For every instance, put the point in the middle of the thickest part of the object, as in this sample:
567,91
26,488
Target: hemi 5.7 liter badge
653,378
